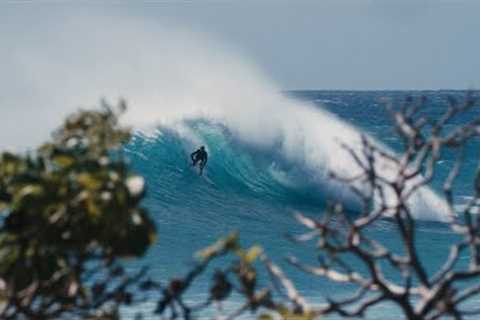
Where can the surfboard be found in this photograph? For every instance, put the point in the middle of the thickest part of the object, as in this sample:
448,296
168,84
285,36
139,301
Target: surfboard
204,176
207,179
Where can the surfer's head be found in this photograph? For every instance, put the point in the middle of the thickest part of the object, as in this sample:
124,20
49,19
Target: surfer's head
202,148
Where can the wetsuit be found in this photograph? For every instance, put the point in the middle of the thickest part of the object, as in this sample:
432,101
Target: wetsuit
199,156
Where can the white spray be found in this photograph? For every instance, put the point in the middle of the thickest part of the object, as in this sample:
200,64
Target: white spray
168,75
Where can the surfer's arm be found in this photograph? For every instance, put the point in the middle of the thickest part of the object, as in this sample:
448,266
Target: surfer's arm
193,155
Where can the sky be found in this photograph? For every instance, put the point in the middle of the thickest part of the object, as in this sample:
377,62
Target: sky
340,44
356,44
59,55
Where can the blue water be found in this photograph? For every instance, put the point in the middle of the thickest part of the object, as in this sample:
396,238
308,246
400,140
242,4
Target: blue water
256,190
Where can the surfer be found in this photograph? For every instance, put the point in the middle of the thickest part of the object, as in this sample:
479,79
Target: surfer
199,156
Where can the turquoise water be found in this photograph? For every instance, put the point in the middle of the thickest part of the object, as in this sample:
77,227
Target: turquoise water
256,189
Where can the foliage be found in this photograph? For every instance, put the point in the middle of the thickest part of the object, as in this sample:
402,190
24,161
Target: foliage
71,209
239,276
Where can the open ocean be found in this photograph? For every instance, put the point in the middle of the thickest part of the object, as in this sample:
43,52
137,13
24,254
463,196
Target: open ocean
253,184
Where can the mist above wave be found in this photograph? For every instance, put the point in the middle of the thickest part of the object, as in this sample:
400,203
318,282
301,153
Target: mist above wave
169,75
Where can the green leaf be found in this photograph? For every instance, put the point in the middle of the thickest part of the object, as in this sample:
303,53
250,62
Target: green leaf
27,195
252,254
89,181
288,314
64,160
9,164
94,211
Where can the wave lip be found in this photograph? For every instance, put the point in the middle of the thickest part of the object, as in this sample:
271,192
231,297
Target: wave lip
292,169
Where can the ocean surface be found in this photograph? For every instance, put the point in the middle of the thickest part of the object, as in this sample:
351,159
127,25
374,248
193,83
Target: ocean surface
254,186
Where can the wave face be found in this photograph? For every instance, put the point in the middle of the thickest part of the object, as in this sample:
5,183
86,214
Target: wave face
254,186
289,165
234,168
